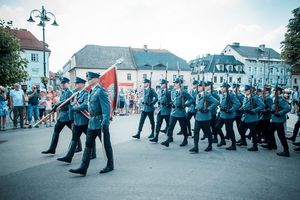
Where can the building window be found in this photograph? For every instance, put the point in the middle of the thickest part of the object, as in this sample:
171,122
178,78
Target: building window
129,77
249,69
261,70
271,70
181,77
281,70
239,79
271,80
215,79
144,76
230,79
34,57
255,68
221,79
295,80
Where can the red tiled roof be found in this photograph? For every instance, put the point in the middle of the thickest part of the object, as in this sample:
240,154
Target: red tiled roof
28,41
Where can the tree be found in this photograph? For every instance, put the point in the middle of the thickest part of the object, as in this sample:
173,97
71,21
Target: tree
12,65
291,44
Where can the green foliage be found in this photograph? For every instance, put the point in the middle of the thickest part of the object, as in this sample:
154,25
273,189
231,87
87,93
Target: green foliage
291,44
12,65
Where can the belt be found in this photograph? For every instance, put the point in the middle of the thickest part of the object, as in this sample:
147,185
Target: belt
95,114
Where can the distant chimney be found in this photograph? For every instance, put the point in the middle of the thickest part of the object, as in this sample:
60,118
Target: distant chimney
236,44
145,48
262,47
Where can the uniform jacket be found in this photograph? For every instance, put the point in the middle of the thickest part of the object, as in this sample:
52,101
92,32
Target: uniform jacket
193,93
99,108
266,112
211,104
64,111
258,105
81,105
216,96
164,102
179,102
284,108
149,100
234,105
240,97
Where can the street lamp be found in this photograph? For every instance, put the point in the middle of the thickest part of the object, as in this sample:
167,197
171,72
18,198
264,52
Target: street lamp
44,17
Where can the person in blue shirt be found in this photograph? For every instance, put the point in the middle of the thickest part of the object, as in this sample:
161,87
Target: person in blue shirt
149,100
205,104
99,113
252,106
280,108
164,108
180,99
228,105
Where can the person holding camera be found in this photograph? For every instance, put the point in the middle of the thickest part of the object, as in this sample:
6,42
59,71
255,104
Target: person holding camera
33,103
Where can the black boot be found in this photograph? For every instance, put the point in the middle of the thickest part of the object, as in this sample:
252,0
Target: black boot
167,142
110,161
79,146
53,144
70,154
184,142
209,148
195,149
297,149
84,163
284,153
254,148
222,143
242,143
296,143
292,138
164,131
137,136
155,139
215,140
151,135
93,153
231,148
179,133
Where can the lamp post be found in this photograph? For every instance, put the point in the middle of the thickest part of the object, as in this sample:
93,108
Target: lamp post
44,17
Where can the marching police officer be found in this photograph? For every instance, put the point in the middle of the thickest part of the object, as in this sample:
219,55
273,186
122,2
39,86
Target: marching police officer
228,106
213,120
63,118
99,110
240,97
252,106
205,103
164,108
179,99
191,109
265,116
149,100
80,121
296,130
280,108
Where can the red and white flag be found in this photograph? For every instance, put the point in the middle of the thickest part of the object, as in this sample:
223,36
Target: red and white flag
109,81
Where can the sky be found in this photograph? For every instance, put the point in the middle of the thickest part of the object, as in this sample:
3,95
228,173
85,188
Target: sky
187,28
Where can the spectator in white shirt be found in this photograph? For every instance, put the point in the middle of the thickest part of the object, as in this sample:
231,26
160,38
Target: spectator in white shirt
17,105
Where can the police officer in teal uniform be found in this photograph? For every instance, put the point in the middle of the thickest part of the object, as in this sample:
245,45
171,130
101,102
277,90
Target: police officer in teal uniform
80,121
252,106
296,130
63,118
205,103
164,108
228,106
191,109
179,99
99,110
213,120
149,100
280,108
265,116
239,111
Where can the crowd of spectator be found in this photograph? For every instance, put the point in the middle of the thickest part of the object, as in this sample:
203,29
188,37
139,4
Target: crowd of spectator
26,108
